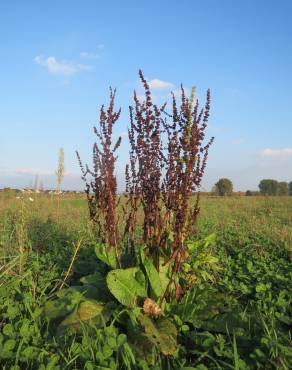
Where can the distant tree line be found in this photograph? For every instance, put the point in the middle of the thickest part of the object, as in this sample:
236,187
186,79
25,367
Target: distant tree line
224,187
274,187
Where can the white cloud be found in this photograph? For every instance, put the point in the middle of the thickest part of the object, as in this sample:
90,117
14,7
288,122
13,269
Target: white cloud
160,85
279,153
60,68
94,54
88,55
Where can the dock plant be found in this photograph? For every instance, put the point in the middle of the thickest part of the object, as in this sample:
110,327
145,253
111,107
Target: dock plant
167,160
143,274
101,189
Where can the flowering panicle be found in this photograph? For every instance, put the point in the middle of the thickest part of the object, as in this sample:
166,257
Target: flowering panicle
101,189
167,163
144,173
185,165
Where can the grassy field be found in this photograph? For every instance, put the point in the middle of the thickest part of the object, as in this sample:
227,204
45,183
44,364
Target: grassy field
238,316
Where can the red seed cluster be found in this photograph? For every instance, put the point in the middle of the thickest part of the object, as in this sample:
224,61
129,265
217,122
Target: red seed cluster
101,190
167,163
185,163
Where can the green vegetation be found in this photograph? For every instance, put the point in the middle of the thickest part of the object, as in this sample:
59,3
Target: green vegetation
146,281
237,314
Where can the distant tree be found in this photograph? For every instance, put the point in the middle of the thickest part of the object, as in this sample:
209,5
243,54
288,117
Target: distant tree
224,187
248,193
268,187
290,188
283,188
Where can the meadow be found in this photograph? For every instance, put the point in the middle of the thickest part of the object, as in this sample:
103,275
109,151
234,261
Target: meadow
237,314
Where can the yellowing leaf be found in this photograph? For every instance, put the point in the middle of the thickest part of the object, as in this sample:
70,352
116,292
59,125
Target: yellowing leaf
85,312
162,333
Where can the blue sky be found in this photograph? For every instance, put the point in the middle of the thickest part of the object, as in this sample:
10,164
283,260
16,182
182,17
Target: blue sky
58,59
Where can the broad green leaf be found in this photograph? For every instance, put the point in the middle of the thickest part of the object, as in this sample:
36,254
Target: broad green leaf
126,285
162,333
88,311
106,255
143,348
71,297
164,273
153,277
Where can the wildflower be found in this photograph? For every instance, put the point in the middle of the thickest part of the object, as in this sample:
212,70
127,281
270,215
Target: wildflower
30,199
151,308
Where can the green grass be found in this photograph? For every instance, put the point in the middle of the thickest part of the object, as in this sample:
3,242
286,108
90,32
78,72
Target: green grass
239,318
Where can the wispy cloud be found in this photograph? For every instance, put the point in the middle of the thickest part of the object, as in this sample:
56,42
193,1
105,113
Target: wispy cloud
278,153
61,68
92,54
160,85
89,55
